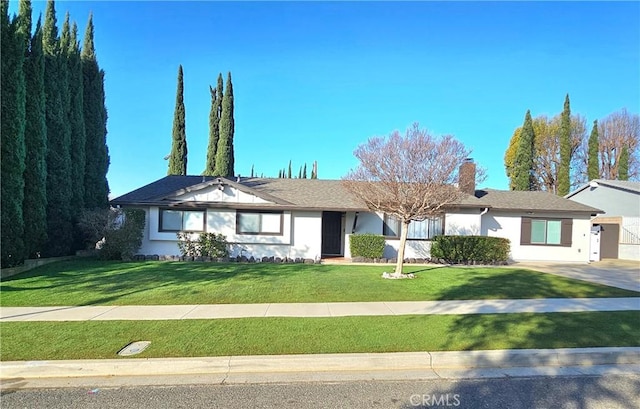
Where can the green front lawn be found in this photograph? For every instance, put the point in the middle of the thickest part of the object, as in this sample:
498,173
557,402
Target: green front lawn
266,336
92,282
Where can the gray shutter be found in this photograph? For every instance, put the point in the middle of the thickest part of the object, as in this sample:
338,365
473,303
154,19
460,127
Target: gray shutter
525,231
566,232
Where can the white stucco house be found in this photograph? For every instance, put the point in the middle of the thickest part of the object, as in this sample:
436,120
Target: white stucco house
617,229
314,219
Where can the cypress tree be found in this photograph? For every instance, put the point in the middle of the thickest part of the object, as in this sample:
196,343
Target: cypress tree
593,170
35,174
565,149
178,156
214,135
12,136
523,172
225,152
76,118
59,225
304,171
289,171
623,165
214,126
96,187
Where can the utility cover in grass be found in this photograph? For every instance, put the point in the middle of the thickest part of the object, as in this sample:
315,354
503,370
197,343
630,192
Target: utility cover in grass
134,348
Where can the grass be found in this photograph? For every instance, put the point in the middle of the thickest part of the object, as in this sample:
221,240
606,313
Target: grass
92,282
265,336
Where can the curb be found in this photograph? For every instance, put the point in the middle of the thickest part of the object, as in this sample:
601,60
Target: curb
225,366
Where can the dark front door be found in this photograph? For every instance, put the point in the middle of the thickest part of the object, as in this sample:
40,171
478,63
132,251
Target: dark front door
331,234
609,239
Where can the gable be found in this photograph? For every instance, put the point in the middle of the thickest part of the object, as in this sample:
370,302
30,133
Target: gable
217,194
611,199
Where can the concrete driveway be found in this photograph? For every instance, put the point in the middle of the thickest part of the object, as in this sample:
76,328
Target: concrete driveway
615,273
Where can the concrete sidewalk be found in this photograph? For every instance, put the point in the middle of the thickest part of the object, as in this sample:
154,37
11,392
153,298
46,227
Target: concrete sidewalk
337,309
322,367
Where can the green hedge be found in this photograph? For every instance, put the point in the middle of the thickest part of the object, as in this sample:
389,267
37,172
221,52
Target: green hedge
470,249
367,245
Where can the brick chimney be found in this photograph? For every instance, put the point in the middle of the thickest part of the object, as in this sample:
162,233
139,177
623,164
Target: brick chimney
467,177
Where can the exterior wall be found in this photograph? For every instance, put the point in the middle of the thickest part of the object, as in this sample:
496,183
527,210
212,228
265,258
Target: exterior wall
301,235
629,252
614,202
508,225
463,223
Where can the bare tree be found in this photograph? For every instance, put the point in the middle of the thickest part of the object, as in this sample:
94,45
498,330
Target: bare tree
616,131
410,177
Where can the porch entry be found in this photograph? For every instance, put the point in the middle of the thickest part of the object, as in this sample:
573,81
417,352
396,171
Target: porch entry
332,234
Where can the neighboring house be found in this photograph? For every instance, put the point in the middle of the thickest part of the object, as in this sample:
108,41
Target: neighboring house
619,225
313,219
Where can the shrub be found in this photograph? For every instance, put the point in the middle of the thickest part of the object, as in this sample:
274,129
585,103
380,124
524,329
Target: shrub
187,247
92,224
470,249
123,235
213,245
367,245
208,245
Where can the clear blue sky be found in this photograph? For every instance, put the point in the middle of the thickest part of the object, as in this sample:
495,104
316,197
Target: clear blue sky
313,80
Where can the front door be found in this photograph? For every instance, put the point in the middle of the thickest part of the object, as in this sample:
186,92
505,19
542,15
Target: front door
331,234
609,239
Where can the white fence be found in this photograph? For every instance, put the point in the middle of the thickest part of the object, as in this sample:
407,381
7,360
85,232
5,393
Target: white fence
630,233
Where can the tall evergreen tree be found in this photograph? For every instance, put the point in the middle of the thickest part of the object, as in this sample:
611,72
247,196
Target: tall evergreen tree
35,174
214,134
225,153
76,118
593,168
623,164
289,170
178,156
523,173
96,187
304,171
214,126
59,224
565,149
12,127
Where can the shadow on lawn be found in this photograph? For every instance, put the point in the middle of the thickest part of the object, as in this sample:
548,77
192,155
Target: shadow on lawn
111,280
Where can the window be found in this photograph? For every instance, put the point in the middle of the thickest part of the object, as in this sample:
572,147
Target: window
549,232
259,223
418,230
181,220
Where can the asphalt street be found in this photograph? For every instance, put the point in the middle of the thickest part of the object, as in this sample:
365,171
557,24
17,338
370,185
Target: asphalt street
580,392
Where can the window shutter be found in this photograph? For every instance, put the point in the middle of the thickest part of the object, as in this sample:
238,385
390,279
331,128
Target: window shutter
525,231
566,232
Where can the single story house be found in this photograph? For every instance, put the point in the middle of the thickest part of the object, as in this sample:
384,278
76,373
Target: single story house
314,218
617,229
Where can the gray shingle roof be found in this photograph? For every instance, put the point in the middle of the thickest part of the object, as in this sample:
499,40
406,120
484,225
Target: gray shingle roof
530,201
159,189
319,194
616,184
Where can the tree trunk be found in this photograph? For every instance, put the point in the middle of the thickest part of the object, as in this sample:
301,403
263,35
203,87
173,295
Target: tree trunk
404,230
